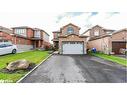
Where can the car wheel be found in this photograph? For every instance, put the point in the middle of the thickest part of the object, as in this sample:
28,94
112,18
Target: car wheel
13,51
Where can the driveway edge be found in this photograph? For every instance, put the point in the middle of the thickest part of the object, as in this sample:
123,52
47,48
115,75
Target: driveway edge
33,69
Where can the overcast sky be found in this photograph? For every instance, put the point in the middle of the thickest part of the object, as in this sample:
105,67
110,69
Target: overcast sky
52,21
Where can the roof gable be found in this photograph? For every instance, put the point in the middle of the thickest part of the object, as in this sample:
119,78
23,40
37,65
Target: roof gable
72,25
121,30
6,30
105,29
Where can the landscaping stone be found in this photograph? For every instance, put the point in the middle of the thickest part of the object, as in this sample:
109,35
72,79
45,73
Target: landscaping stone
18,65
5,70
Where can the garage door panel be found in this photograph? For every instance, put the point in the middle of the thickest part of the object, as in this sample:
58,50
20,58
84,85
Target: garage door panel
116,46
72,48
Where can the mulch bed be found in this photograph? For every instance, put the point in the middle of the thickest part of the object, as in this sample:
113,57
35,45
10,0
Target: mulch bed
4,70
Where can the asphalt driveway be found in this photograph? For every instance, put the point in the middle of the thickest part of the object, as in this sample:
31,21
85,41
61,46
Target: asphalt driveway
77,69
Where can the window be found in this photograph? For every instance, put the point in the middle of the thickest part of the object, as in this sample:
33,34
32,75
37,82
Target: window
37,34
72,42
70,30
57,35
96,33
46,37
108,32
5,45
20,32
8,45
2,45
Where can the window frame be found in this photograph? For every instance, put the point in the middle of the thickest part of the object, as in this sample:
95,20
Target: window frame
96,33
21,32
70,30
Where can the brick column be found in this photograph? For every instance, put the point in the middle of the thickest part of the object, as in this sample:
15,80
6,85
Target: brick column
39,44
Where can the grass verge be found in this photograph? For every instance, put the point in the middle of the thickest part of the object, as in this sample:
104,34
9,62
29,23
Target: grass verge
112,58
33,56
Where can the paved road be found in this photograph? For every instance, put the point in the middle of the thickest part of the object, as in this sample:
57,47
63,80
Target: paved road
76,69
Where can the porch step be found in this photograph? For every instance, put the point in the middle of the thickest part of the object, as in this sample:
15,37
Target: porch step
56,52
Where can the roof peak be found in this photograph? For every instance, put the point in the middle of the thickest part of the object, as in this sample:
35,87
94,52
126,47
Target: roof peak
71,24
21,27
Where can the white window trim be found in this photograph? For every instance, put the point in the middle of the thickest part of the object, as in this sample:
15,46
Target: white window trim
21,32
96,33
37,33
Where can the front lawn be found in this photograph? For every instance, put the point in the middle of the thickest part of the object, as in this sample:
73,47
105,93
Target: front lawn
112,58
32,56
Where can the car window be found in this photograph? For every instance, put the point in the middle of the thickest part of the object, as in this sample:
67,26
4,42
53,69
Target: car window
2,45
9,42
8,45
5,44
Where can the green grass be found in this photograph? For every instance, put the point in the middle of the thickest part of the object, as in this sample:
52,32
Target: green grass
32,56
112,58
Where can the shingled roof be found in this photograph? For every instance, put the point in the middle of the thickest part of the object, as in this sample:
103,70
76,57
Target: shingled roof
6,30
105,29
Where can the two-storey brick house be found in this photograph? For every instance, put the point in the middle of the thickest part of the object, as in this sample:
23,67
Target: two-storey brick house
25,38
28,38
69,41
106,40
5,34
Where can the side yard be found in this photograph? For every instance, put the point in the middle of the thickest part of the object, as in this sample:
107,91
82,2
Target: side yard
112,58
33,56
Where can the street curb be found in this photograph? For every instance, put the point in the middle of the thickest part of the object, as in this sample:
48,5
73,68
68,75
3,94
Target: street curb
33,69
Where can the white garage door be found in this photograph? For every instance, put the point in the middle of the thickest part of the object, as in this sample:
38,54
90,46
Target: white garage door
72,47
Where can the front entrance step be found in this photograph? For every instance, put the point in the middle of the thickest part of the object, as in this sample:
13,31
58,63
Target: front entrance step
56,52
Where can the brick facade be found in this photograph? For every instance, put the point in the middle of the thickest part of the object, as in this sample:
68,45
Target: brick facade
30,32
121,35
64,36
5,33
103,42
29,40
72,38
5,36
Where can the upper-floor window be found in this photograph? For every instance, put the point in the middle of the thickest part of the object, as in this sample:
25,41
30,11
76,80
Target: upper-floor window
96,33
57,35
20,32
108,32
45,37
70,30
37,34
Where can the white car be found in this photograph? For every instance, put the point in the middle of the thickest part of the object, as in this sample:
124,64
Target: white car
7,47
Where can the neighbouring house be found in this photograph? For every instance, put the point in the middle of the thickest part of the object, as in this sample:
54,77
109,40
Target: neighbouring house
25,38
119,41
107,41
5,34
28,38
68,40
46,43
55,39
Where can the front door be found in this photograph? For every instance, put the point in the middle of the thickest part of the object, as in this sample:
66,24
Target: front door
37,44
